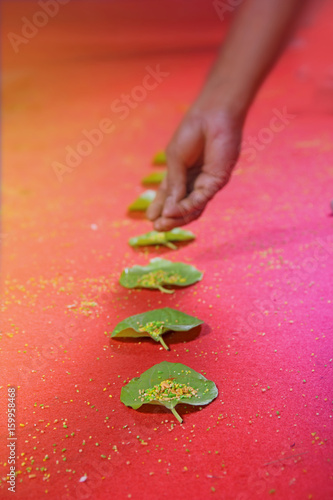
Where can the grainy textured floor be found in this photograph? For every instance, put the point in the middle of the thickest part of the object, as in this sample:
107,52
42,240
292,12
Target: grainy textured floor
265,245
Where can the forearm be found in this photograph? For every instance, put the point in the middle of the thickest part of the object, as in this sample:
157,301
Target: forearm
257,36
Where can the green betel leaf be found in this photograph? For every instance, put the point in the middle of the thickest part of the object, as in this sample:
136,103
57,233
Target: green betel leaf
154,178
155,323
151,238
143,201
178,234
159,158
160,272
157,238
169,384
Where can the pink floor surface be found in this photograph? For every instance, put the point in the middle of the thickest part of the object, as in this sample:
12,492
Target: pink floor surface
265,245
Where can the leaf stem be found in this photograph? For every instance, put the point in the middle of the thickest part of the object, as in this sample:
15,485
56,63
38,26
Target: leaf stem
163,343
170,245
178,417
165,290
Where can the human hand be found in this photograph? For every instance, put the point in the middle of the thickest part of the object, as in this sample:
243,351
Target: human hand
200,159
205,147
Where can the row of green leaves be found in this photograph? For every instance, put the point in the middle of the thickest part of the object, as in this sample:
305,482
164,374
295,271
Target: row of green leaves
190,387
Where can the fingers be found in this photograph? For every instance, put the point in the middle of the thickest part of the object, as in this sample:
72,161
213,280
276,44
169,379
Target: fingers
166,224
155,209
176,185
186,210
182,152
177,211
183,149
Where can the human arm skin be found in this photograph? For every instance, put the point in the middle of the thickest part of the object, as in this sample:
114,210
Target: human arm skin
205,147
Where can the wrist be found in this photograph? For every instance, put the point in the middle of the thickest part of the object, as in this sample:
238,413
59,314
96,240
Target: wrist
231,96
219,97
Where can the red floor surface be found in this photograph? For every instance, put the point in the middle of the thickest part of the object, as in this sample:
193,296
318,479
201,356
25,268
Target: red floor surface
265,245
